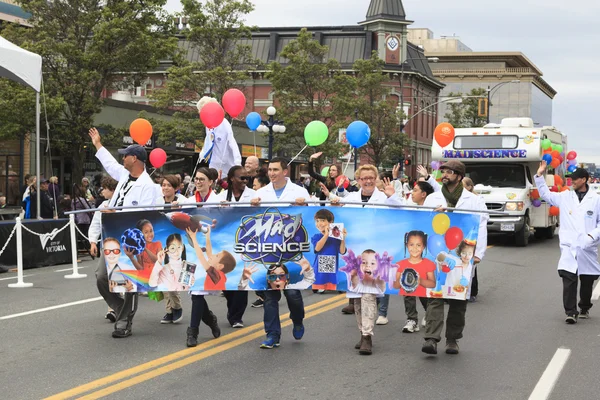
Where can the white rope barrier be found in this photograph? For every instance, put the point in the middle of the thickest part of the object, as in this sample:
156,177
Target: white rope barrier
73,226
20,283
8,241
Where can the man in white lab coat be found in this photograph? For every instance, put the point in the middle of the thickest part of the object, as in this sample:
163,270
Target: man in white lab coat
457,197
281,188
579,235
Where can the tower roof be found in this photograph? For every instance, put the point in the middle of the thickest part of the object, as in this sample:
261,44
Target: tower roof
386,9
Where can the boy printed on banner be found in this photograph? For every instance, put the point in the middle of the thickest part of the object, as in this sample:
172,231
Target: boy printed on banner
327,246
278,276
368,272
170,263
216,265
146,259
117,282
415,274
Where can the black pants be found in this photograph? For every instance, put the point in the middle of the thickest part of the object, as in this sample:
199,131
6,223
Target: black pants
201,312
237,301
570,291
474,285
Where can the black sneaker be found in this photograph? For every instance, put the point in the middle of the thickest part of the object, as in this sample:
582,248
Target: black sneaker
167,319
429,347
111,316
571,319
214,327
451,346
258,303
584,314
177,315
121,333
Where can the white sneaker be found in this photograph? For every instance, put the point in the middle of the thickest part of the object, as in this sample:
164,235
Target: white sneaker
237,325
411,326
381,320
423,322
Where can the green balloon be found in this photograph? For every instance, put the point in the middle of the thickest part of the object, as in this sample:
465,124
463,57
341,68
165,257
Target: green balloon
316,133
325,171
546,144
559,148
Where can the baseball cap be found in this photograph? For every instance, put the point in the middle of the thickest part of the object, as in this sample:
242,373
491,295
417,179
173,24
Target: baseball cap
135,150
455,166
580,173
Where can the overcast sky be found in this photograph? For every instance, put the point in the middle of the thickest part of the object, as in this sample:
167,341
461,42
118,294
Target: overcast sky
560,37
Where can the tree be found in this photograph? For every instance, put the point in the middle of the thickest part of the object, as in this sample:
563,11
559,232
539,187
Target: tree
306,87
218,34
89,47
465,114
373,106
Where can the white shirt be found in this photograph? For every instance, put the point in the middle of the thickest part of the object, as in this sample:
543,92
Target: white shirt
290,193
247,195
220,148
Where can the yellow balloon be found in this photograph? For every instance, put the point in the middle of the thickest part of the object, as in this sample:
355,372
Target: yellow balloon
440,223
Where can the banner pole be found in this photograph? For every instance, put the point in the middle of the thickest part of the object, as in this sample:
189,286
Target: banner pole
75,274
20,283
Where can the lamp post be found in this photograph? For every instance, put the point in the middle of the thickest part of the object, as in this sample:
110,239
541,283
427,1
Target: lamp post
269,126
489,96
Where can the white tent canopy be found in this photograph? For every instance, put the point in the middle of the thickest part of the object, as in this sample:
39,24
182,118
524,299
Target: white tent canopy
24,67
20,65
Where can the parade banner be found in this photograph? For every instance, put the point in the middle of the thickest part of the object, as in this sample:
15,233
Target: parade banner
364,250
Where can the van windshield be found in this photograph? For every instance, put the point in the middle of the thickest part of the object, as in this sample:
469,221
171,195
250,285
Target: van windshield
497,175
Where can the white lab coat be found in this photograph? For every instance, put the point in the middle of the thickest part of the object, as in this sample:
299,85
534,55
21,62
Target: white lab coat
95,229
578,251
144,191
378,197
289,194
470,201
220,148
247,195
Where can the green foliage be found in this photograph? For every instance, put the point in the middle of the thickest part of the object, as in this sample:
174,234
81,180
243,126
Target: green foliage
465,114
88,47
306,88
219,36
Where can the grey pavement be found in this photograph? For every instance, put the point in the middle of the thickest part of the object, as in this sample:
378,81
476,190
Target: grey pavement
512,332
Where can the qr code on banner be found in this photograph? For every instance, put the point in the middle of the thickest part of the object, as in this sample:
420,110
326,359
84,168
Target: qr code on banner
326,264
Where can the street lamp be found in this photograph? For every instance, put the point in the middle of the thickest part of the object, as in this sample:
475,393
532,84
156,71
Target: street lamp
489,95
269,126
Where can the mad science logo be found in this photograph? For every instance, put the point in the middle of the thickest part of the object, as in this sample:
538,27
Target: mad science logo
271,237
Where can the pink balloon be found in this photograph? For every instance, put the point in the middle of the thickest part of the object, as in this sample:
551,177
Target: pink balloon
212,115
158,158
234,102
571,155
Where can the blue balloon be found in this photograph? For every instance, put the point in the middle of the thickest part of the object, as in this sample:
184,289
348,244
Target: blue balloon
572,168
358,134
253,120
436,244
547,158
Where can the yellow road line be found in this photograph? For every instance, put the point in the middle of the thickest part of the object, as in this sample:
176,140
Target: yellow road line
174,356
192,359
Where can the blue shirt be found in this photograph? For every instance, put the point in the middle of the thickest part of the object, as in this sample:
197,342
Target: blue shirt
326,261
278,192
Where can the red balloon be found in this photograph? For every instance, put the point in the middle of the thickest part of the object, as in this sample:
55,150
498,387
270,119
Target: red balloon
444,134
140,131
212,115
554,188
342,181
571,155
158,158
554,211
453,237
535,194
234,102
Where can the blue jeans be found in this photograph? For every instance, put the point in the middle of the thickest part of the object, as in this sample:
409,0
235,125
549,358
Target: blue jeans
271,306
383,303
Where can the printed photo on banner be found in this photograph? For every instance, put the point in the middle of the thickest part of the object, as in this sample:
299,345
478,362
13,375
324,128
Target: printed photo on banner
363,250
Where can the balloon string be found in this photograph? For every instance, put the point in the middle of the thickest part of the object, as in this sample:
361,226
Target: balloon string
152,173
346,167
296,156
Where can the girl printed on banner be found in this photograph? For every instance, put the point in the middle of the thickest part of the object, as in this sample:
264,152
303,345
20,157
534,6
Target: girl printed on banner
168,267
146,259
415,274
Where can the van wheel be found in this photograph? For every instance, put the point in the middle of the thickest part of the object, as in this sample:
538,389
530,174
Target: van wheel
545,233
522,237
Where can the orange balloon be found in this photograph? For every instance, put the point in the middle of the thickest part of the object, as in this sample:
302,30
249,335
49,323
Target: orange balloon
558,181
140,131
555,163
534,194
548,151
555,154
554,211
564,189
444,134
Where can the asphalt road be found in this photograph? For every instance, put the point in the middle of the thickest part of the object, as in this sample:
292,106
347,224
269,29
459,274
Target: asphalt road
512,333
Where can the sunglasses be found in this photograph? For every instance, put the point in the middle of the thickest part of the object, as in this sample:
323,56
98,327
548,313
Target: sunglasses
274,277
115,251
244,178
